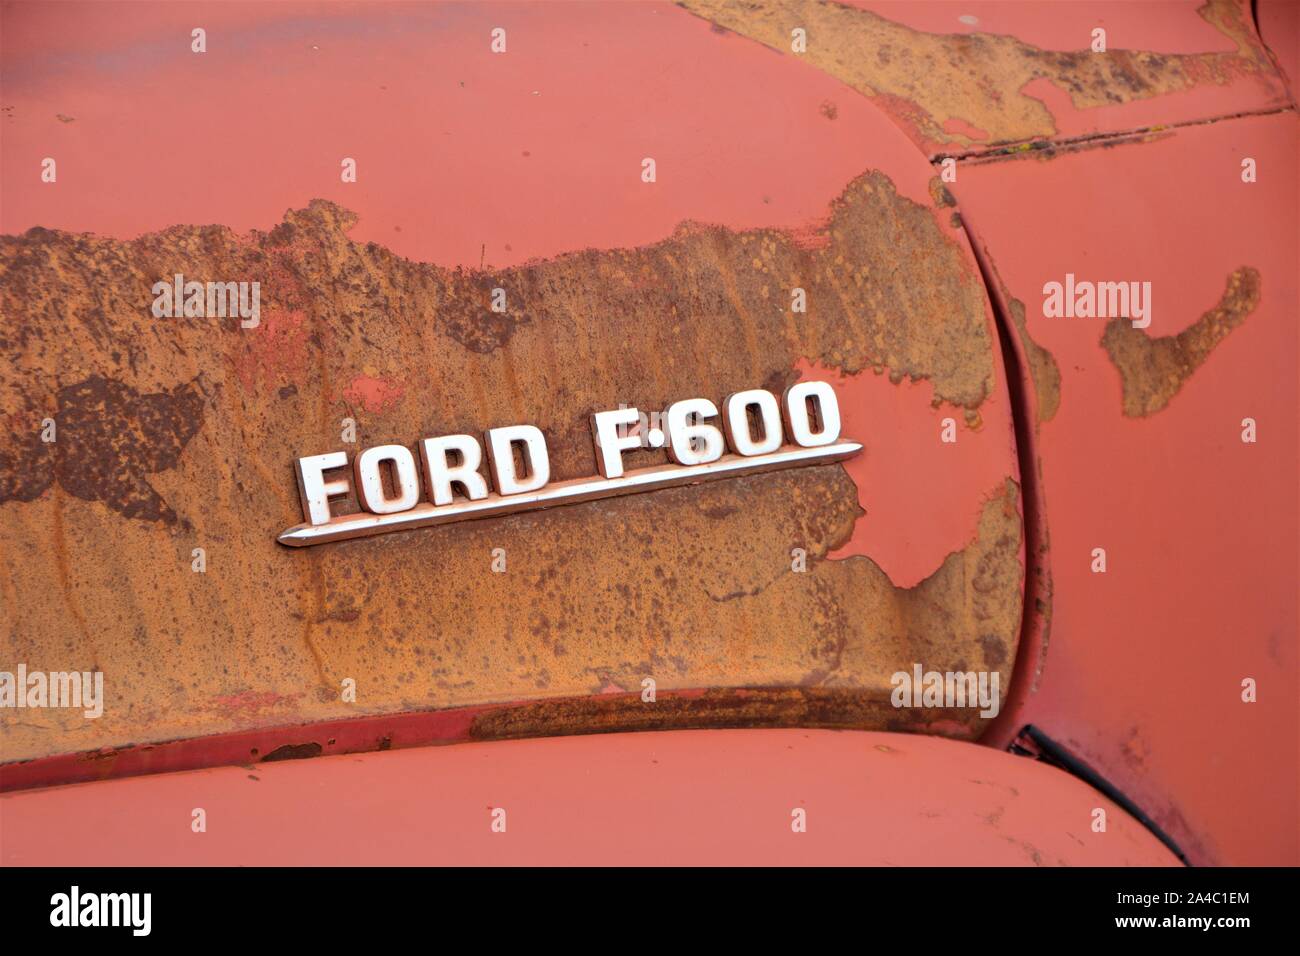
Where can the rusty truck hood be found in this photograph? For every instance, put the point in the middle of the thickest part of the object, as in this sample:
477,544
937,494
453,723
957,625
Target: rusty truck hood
772,599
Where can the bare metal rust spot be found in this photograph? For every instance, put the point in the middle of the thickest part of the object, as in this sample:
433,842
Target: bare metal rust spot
946,87
108,438
712,709
1153,370
294,752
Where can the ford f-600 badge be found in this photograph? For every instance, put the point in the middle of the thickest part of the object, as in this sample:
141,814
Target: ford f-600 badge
802,429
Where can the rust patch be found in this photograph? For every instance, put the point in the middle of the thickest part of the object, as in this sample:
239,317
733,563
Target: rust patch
596,595
711,710
1153,370
940,194
1042,364
108,437
920,624
1035,636
944,88
1049,149
1043,370
276,350
293,752
246,704
326,297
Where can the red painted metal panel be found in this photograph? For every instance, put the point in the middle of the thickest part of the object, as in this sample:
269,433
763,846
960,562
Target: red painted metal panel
969,77
1143,672
699,797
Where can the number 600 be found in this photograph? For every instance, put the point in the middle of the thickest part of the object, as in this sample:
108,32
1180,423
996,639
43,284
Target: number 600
808,414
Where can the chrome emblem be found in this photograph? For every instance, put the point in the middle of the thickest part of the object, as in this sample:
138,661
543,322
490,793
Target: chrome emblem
802,429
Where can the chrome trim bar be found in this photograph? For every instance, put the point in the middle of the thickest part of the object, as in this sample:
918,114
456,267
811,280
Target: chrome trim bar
425,515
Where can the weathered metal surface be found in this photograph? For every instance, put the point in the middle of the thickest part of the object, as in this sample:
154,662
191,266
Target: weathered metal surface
970,75
820,707
180,433
1042,367
1279,29
1131,435
1152,370
1144,458
1112,186
719,797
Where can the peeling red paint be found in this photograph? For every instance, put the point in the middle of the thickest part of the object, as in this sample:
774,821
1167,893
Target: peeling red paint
922,497
483,199
273,353
957,125
937,77
1199,527
374,394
